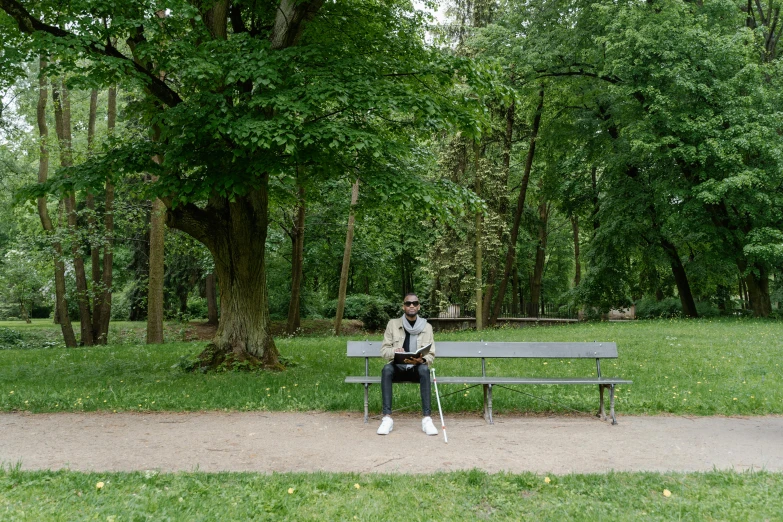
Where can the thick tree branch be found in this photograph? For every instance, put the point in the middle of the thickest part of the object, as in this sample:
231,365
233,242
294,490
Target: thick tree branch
190,219
580,72
290,19
29,25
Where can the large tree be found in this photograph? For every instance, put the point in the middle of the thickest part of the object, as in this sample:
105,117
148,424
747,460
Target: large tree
237,96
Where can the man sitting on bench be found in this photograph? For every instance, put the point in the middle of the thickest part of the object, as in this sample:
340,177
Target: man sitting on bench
407,334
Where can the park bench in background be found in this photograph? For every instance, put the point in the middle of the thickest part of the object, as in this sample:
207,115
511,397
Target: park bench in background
492,350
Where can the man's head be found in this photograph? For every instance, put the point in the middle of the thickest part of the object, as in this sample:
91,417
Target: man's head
410,305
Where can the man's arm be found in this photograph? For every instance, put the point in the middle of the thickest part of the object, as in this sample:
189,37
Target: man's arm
428,338
387,347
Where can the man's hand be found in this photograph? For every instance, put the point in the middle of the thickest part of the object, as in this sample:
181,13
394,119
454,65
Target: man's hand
415,360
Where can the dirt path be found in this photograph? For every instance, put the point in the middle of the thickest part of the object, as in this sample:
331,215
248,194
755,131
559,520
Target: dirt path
267,442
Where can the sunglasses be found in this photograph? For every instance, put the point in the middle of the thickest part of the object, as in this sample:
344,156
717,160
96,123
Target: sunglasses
411,303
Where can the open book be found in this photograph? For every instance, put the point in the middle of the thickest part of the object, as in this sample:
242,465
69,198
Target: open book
401,357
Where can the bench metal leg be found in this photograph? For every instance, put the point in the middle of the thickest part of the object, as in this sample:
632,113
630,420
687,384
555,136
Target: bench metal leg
488,403
601,412
366,403
611,404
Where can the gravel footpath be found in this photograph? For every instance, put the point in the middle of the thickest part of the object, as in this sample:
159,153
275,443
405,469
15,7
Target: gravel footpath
341,442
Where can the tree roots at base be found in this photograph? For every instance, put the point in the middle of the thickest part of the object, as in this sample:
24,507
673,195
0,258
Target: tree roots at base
215,359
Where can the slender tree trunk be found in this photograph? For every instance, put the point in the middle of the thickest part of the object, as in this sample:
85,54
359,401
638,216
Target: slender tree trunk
140,268
744,296
23,312
157,258
515,310
346,261
61,304
97,293
680,278
512,242
62,116
297,264
212,309
95,255
538,269
479,247
155,282
596,204
102,332
577,262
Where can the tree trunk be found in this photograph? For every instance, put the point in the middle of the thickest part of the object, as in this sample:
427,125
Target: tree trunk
212,309
98,294
757,282
235,233
23,312
538,269
723,294
515,310
297,264
680,278
140,268
155,281
479,248
61,304
743,290
512,242
346,261
102,326
62,117
577,263
596,204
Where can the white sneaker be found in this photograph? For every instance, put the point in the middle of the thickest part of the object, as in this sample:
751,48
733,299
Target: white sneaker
427,426
387,424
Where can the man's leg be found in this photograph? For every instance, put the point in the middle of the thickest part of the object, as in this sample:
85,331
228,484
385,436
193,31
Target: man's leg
427,426
387,377
425,387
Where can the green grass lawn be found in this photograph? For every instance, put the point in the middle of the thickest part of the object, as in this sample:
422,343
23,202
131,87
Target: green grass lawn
700,367
468,495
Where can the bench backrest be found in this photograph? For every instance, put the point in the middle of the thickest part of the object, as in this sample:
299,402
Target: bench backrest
482,349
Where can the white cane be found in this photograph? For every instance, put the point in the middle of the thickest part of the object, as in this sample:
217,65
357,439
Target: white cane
437,396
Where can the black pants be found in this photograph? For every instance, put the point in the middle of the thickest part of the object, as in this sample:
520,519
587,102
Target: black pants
399,373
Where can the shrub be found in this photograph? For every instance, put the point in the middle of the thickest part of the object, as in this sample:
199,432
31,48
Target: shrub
9,337
361,306
651,309
197,307
671,307
374,317
707,309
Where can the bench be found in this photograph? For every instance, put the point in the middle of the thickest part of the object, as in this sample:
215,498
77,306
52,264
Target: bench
491,350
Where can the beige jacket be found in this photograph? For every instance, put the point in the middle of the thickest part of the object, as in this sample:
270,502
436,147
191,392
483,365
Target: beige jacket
394,336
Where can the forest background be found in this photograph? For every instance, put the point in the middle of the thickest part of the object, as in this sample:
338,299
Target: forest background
245,161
